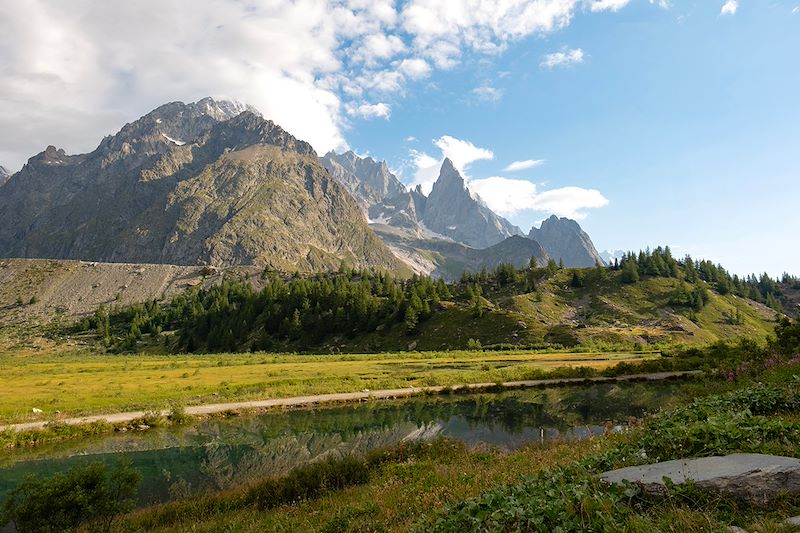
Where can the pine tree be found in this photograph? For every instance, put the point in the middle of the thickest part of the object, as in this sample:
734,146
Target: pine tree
630,271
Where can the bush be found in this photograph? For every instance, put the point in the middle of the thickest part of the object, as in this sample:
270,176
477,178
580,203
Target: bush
177,415
563,500
308,481
88,493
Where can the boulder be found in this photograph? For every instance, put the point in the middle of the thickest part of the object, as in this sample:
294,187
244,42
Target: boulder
752,477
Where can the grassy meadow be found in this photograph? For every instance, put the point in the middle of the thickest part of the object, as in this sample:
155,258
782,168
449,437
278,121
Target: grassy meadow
80,384
444,486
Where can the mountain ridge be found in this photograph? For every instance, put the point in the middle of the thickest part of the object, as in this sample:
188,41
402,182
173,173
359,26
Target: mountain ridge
565,240
189,184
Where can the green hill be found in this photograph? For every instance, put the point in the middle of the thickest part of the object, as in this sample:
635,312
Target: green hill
358,311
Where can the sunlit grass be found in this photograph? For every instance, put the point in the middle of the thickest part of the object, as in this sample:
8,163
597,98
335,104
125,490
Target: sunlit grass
84,384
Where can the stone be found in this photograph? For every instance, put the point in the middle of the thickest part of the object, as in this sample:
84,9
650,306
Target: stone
736,529
752,477
36,411
793,521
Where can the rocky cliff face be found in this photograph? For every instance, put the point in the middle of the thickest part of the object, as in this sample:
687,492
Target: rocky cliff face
453,212
449,259
203,183
369,181
564,240
4,175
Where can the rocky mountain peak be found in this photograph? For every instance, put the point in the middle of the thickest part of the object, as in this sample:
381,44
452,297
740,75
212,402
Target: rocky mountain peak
197,183
4,175
564,240
449,176
369,181
553,222
452,211
248,128
52,157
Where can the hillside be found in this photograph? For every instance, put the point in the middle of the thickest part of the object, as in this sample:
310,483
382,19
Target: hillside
203,183
602,314
542,307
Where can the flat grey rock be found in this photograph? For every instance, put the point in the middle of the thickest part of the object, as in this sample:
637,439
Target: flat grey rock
753,477
793,521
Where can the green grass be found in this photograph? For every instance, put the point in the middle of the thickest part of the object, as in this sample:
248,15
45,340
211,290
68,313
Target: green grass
88,384
454,489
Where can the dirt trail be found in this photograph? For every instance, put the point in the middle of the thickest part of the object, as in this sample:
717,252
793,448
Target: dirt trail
207,409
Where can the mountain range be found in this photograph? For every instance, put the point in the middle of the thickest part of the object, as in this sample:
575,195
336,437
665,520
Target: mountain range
213,182
203,183
452,229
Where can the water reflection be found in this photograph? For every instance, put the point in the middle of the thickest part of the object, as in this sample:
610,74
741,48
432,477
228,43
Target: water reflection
218,454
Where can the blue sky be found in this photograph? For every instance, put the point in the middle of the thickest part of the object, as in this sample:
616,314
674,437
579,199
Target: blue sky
652,121
686,120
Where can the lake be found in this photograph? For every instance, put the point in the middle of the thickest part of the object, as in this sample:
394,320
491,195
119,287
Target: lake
222,453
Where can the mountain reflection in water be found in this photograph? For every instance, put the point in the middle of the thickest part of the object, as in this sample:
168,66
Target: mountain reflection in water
222,453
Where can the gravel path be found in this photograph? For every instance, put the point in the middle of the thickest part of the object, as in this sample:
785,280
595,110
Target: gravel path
211,408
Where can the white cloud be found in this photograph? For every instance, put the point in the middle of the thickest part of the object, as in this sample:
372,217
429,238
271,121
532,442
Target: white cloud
411,139
414,68
608,5
663,4
75,71
426,170
563,58
505,196
517,166
795,10
509,197
570,202
488,93
729,7
461,153
484,25
379,110
378,46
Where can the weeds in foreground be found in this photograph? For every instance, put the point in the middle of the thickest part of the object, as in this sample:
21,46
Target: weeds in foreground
573,498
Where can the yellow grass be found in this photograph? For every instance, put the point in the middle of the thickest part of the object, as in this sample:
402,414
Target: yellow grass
90,384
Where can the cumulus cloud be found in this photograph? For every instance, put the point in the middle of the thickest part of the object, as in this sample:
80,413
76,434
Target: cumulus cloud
509,197
425,167
461,153
426,170
563,58
505,196
378,46
379,110
608,5
414,68
729,7
75,71
486,25
517,166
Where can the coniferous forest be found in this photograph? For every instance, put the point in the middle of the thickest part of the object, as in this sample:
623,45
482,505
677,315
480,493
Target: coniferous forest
304,312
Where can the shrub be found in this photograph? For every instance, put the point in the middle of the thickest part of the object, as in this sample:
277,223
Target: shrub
308,481
177,415
563,500
88,493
